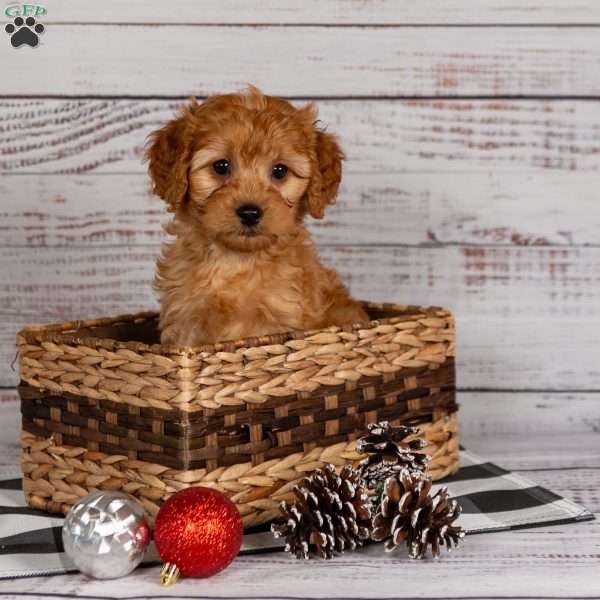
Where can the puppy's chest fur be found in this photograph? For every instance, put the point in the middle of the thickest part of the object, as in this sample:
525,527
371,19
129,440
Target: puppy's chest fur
210,295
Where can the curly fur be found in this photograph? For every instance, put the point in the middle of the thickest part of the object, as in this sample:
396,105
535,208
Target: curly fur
218,280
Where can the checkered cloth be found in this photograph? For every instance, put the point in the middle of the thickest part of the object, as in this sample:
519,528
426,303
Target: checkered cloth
492,499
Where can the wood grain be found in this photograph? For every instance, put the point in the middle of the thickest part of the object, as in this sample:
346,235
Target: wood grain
400,209
516,452
480,281
306,61
379,136
10,427
398,12
527,413
528,317
547,562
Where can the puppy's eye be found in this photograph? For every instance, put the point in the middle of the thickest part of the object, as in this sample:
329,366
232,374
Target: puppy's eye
221,167
279,171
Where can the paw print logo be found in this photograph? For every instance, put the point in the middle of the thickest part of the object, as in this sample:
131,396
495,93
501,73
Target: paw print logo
24,32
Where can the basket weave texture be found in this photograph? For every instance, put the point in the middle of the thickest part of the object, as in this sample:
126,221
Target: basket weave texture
106,407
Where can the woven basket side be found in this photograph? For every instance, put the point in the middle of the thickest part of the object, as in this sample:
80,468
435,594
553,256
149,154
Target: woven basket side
56,476
151,377
275,429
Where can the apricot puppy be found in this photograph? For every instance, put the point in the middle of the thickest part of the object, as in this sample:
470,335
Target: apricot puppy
240,172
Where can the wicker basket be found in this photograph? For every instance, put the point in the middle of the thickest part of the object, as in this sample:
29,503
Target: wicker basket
106,407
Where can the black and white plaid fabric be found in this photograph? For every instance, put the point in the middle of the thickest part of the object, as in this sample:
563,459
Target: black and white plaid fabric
492,499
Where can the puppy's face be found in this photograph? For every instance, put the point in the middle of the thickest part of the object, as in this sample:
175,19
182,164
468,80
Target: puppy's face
245,168
249,174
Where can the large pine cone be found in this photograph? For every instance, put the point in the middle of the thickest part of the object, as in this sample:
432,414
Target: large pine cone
331,514
409,514
389,452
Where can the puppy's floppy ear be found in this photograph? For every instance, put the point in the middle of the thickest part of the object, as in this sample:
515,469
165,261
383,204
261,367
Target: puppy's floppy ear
169,153
326,174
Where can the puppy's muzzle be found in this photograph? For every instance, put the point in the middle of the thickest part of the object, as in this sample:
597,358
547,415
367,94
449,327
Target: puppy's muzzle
249,214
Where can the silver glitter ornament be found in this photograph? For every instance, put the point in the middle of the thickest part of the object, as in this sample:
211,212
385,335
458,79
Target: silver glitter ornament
106,534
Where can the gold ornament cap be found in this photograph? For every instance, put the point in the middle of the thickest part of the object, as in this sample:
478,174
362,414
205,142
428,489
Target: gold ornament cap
169,574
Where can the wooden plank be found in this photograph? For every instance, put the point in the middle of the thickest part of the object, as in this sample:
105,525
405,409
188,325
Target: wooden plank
528,317
58,136
400,208
379,136
404,62
549,562
482,281
518,452
398,12
526,414
91,209
10,427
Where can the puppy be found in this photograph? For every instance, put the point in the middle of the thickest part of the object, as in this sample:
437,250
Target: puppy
240,172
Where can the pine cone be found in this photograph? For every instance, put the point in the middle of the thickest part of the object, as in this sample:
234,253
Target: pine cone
331,514
408,513
389,453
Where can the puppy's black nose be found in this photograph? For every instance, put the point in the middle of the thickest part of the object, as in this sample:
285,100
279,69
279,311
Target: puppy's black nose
249,214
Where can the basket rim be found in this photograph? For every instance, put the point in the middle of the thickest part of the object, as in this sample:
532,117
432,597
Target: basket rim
60,333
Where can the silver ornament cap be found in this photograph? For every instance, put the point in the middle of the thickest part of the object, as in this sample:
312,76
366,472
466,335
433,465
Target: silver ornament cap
106,534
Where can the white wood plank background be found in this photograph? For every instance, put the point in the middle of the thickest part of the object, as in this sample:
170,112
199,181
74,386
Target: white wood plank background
384,61
103,209
486,205
463,137
336,12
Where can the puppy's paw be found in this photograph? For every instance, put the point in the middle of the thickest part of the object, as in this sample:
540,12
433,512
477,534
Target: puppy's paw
347,313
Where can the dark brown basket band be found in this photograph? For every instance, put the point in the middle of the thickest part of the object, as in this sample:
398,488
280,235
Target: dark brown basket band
276,429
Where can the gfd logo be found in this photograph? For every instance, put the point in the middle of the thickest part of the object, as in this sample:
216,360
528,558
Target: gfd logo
24,29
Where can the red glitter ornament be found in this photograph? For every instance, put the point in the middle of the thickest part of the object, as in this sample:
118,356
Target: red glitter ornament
198,532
